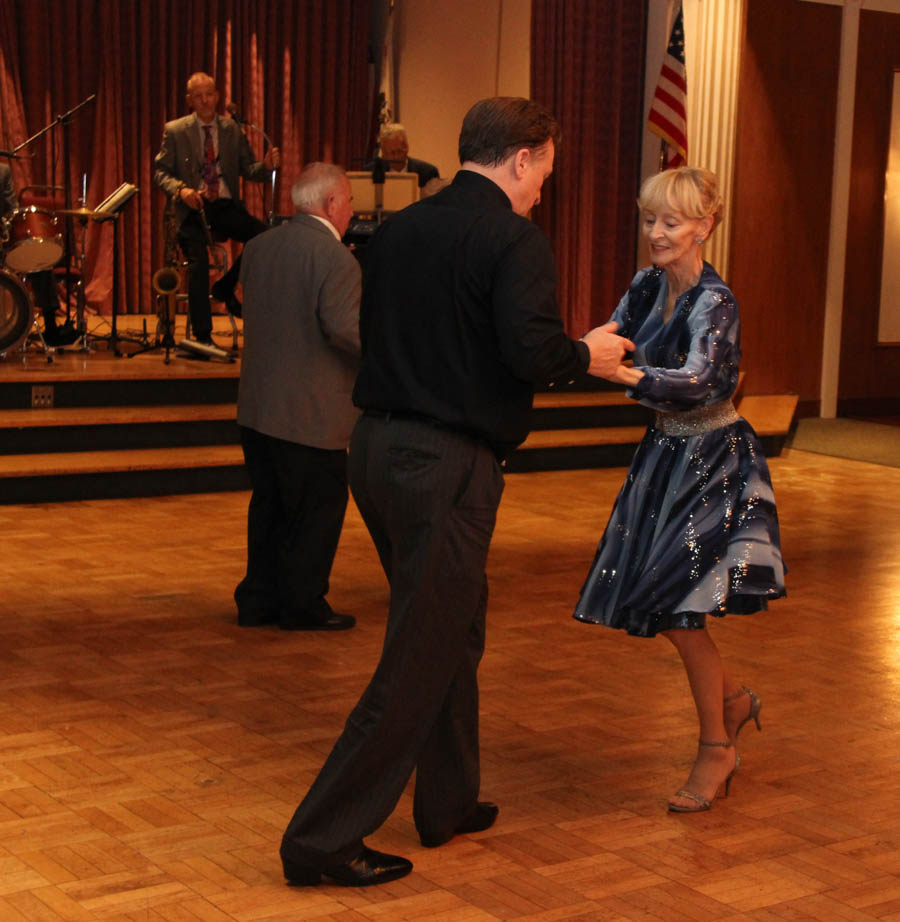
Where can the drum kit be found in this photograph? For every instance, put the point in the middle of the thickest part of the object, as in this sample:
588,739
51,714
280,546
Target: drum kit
38,236
32,240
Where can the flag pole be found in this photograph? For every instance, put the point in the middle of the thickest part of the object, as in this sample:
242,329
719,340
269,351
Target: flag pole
662,156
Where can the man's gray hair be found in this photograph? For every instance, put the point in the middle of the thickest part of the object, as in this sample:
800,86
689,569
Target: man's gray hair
314,184
391,129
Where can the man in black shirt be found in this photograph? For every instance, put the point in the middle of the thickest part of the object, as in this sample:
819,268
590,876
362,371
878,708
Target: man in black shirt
458,323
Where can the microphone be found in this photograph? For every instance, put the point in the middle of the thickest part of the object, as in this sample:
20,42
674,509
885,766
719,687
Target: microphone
232,109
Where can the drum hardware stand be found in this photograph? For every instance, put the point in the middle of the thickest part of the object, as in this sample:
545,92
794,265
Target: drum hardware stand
82,214
37,334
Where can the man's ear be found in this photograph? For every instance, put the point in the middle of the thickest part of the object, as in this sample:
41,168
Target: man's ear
521,159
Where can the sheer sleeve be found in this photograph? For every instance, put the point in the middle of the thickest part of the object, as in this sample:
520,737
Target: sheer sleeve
708,372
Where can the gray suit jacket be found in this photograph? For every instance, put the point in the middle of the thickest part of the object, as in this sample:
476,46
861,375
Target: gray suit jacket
180,160
8,201
301,335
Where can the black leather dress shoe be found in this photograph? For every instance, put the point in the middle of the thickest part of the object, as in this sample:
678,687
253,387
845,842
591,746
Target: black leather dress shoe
63,335
334,621
481,818
369,867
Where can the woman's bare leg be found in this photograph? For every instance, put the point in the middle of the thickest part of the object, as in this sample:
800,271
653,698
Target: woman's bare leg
708,682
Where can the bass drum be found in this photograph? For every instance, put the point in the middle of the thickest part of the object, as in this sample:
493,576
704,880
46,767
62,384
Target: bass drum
16,312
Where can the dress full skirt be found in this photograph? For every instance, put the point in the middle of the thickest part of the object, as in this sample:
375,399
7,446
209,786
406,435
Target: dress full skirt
694,531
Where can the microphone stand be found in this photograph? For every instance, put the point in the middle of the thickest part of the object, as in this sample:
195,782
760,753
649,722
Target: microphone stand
244,124
65,119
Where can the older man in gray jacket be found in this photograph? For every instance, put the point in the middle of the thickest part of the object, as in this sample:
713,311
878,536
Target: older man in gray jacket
301,355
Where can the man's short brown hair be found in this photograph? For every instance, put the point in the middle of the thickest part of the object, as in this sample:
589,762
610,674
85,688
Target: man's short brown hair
496,128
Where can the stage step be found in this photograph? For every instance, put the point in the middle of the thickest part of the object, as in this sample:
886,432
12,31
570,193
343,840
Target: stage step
69,429
172,429
57,476
771,416
614,446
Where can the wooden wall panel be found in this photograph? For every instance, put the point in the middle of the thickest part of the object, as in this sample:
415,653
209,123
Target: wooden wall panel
782,191
869,373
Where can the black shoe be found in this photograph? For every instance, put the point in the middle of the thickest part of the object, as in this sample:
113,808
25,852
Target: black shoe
334,621
481,818
221,292
369,867
226,294
61,336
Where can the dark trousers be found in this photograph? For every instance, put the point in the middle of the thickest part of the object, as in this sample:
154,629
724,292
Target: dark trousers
429,498
43,286
293,526
229,219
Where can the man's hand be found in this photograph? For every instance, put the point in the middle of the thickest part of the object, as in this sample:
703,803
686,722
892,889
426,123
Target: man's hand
190,197
607,350
272,160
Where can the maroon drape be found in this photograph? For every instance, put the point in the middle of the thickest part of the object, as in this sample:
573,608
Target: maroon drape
587,62
299,70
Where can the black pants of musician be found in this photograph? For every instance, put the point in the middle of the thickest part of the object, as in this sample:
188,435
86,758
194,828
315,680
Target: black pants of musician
43,286
429,498
293,526
227,218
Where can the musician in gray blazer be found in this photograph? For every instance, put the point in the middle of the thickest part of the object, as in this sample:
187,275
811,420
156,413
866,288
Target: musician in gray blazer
295,411
199,166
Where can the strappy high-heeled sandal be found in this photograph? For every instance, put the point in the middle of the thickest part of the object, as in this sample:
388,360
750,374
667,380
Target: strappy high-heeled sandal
755,706
700,802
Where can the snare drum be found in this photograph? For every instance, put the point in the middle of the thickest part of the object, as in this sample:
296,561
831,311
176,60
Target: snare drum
16,312
34,240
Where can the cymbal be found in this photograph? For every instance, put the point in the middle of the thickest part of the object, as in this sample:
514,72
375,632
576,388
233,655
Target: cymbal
78,212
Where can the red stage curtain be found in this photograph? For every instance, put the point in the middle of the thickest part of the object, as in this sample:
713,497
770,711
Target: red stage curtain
298,70
587,62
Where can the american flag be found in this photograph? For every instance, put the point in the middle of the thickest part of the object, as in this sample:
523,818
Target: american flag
668,111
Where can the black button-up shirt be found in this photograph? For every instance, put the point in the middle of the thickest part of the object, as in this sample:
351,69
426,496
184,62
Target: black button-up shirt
459,318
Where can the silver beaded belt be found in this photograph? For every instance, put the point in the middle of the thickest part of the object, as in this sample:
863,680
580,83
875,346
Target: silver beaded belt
697,421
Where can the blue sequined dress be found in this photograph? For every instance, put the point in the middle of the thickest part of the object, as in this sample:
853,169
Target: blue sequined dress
694,529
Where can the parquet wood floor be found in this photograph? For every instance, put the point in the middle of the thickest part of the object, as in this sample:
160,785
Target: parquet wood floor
151,752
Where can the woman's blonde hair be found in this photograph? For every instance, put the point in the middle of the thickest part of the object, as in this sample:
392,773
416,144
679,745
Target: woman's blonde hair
691,190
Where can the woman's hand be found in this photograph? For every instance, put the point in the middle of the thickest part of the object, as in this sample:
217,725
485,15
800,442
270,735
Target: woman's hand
626,375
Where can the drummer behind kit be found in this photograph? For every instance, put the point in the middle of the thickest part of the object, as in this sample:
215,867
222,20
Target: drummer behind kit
32,242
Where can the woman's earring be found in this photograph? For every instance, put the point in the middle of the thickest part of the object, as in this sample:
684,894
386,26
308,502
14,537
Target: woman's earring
698,241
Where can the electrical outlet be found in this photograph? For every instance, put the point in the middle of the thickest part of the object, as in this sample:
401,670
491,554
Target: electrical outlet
41,396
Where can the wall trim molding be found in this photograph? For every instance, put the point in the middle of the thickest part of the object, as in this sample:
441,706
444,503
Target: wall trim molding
840,202
880,6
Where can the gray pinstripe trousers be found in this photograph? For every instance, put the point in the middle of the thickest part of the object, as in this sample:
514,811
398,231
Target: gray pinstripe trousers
429,498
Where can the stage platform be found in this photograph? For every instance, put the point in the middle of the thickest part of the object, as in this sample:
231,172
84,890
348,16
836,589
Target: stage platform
91,424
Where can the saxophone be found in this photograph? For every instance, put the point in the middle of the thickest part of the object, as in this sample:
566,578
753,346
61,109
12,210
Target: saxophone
166,281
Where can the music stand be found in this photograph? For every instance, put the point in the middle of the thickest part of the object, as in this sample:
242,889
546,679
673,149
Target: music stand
109,210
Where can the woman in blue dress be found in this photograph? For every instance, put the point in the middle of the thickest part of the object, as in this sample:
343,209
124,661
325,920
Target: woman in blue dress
694,530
